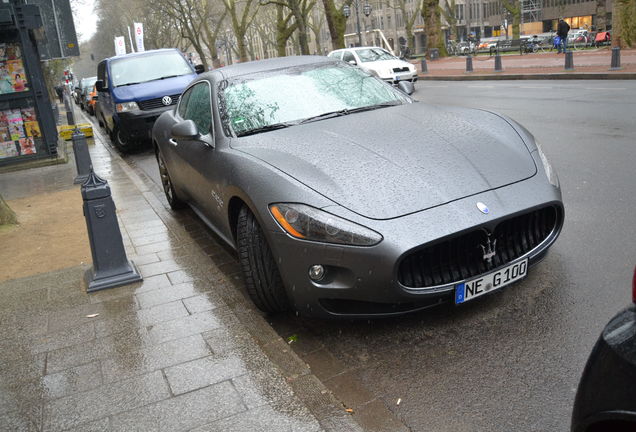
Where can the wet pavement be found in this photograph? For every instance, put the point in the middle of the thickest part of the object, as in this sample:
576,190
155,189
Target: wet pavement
182,350
511,360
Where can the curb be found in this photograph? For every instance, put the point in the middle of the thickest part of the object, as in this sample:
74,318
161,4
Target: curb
546,76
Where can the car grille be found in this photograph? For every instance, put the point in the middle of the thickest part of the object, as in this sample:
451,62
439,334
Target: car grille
462,257
149,104
402,69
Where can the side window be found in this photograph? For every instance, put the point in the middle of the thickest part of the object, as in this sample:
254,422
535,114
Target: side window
337,54
348,56
101,73
198,107
183,102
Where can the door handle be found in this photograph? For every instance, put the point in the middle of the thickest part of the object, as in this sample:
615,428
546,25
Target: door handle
173,142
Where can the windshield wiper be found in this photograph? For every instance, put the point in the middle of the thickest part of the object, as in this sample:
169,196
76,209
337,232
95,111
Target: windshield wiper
265,128
166,77
129,84
347,111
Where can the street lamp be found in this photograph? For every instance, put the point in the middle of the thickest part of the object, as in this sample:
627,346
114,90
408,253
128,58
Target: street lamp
366,9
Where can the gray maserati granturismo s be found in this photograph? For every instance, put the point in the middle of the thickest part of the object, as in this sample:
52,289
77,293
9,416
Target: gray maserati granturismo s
344,197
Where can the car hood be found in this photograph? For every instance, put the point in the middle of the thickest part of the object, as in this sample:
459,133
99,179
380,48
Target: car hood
384,65
394,161
152,89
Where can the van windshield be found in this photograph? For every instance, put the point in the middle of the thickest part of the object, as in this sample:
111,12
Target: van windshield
149,67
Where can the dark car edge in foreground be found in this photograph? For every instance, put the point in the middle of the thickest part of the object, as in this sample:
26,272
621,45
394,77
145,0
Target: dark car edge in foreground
606,396
380,207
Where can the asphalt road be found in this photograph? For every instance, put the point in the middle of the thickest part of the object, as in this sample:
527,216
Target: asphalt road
510,361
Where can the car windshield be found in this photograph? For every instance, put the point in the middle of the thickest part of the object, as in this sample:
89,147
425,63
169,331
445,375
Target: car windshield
88,82
373,54
149,67
291,96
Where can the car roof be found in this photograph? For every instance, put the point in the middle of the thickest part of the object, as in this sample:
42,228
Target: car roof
358,48
247,68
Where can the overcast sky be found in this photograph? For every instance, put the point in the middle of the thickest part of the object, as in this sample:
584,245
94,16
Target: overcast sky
84,18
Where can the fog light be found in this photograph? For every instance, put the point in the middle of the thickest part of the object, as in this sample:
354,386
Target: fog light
316,272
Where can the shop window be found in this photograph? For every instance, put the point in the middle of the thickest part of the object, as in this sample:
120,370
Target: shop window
12,74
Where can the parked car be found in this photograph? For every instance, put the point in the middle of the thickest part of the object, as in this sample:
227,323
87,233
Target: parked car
86,86
91,101
606,397
378,60
134,89
345,197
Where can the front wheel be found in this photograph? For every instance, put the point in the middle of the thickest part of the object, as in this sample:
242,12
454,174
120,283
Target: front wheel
168,189
262,278
119,139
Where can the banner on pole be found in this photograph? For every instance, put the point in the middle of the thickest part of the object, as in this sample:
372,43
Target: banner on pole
139,36
120,45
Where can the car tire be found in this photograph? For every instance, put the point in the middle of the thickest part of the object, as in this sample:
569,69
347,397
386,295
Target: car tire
117,138
173,199
262,278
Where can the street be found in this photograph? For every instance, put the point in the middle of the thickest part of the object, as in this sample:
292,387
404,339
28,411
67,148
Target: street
511,360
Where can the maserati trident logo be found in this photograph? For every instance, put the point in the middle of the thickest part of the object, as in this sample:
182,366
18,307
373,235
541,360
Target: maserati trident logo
489,249
166,100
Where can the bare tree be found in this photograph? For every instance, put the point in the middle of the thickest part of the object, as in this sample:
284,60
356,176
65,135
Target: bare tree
449,11
241,14
336,21
431,13
514,7
300,9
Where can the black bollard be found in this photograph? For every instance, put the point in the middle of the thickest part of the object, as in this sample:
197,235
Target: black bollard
469,63
424,66
569,61
68,106
56,113
616,58
111,267
82,156
498,67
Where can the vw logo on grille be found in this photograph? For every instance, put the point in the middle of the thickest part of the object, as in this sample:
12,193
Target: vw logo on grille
483,207
166,100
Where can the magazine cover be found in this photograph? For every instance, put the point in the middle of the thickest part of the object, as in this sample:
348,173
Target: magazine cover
4,134
12,52
27,146
32,129
8,149
17,76
17,131
28,114
6,85
4,119
3,52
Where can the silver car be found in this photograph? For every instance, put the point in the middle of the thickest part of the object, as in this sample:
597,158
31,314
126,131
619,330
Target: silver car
345,197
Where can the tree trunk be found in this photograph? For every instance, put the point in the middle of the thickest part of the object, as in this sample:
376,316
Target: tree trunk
432,24
601,15
336,22
7,216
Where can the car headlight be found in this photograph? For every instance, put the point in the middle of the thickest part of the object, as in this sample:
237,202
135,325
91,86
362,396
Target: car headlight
126,106
309,223
549,171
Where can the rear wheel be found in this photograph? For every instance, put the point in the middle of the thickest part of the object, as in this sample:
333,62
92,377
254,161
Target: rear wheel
262,278
168,189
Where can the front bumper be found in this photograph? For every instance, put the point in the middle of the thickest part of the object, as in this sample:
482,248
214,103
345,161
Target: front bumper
606,397
137,124
363,281
409,76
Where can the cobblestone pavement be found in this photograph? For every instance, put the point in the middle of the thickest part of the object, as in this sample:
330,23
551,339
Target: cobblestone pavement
183,350
588,61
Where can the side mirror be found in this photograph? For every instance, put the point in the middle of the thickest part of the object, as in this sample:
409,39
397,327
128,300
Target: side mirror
406,87
186,129
99,85
352,62
199,68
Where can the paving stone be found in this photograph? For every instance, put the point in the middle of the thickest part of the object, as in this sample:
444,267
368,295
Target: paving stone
153,238
77,379
201,303
183,412
200,373
144,259
104,401
323,364
77,316
102,425
141,318
347,388
63,338
159,268
155,247
375,416
17,422
183,327
171,293
147,359
262,419
152,283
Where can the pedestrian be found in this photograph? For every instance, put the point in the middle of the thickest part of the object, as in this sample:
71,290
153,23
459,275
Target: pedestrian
59,90
562,31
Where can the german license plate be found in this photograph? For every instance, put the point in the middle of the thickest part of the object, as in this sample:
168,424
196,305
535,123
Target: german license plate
492,281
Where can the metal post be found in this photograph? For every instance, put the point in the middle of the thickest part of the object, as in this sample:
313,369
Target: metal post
498,67
424,66
616,58
469,63
111,268
569,61
68,106
82,156
358,23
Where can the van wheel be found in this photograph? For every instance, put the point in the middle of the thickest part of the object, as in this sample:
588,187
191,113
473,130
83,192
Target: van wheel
262,278
122,143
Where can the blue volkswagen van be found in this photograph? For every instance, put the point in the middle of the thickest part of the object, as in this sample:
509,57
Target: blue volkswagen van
134,89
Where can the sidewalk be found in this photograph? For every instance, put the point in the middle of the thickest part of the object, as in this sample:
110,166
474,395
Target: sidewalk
182,350
588,64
